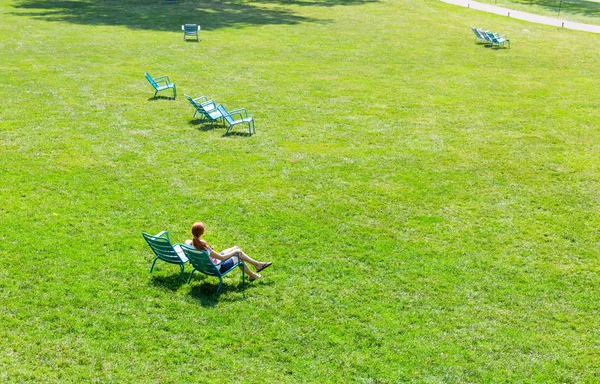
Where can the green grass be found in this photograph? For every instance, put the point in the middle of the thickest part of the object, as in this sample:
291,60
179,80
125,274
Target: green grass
430,205
582,11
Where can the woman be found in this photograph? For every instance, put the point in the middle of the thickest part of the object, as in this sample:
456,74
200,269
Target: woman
229,257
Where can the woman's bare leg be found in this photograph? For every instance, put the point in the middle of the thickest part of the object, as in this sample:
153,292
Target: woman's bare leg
252,275
236,251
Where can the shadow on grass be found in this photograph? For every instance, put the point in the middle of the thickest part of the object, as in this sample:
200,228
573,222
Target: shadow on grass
574,7
495,47
155,15
205,293
237,134
160,98
170,282
205,126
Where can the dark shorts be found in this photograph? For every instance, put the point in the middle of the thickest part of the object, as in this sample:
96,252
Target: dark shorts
226,265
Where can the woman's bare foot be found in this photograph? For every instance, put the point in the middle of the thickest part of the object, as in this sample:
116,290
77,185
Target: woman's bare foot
255,277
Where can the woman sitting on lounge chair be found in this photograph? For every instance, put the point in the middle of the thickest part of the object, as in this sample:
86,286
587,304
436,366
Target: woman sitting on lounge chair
229,256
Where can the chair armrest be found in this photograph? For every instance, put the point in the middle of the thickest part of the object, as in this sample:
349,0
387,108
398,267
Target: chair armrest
211,103
166,82
234,116
161,78
160,234
238,111
203,98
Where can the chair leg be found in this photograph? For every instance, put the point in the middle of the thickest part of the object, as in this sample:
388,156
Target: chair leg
152,267
220,283
174,91
182,270
191,273
243,274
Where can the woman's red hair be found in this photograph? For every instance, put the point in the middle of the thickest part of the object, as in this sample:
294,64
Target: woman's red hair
197,232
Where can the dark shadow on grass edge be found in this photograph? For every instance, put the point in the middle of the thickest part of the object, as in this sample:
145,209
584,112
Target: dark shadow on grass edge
578,7
155,15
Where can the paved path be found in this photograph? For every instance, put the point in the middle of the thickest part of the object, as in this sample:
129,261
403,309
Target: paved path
525,16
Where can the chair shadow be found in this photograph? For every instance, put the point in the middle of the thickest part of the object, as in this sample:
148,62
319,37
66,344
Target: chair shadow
170,282
206,294
204,126
239,134
156,98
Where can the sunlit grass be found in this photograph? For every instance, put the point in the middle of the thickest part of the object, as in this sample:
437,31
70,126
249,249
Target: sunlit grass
430,205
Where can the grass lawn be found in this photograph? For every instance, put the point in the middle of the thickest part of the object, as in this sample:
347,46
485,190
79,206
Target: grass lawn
430,205
582,11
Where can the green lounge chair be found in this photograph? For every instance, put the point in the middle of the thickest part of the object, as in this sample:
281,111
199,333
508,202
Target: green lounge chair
161,83
204,107
190,30
243,118
478,36
201,262
208,110
165,251
485,36
498,40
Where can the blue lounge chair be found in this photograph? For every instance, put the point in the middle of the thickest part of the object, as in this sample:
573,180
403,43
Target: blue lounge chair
498,40
485,36
190,30
243,118
202,105
207,110
478,37
201,262
161,83
165,251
